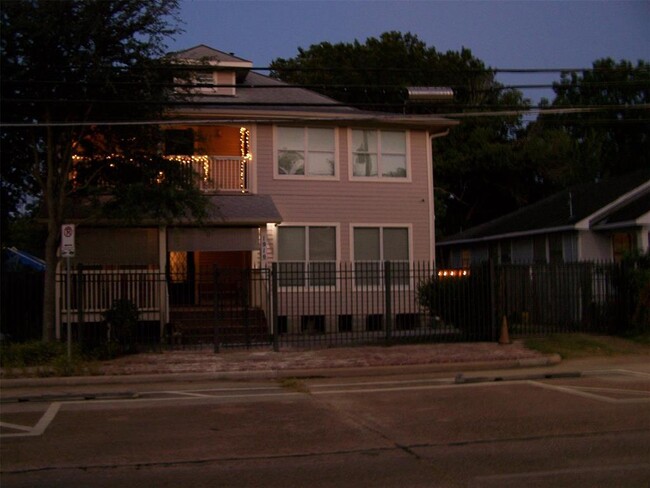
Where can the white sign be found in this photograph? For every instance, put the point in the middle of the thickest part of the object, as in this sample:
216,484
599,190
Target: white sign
67,240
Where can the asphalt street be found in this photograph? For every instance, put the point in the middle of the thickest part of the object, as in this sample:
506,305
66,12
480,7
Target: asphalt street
586,426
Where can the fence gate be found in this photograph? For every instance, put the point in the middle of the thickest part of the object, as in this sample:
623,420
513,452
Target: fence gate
225,308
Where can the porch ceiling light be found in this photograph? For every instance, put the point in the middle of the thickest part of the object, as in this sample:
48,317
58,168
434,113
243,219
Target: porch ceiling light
430,94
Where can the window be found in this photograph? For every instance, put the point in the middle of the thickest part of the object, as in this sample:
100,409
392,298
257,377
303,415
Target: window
307,255
622,243
373,246
570,248
379,154
522,251
304,151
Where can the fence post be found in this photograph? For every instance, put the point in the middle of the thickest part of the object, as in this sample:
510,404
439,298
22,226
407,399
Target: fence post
388,301
246,276
80,304
215,307
493,303
274,306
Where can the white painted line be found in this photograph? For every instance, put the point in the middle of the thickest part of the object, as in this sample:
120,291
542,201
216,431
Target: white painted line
600,372
189,394
371,383
42,424
578,392
415,388
614,390
7,425
184,397
559,472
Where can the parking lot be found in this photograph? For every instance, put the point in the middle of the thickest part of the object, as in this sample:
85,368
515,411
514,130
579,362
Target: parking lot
475,429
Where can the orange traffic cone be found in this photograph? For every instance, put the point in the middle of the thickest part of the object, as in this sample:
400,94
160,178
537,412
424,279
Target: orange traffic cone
504,337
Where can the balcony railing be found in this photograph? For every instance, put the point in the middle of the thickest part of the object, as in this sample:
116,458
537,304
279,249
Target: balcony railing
218,173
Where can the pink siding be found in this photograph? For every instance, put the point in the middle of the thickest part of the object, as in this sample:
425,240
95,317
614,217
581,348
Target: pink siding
346,202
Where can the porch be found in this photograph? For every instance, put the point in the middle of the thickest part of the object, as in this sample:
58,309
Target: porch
215,174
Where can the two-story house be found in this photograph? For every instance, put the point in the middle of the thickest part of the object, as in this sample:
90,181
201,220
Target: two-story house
293,178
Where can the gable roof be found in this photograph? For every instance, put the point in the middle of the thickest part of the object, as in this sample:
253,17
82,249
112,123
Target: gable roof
262,98
207,53
582,206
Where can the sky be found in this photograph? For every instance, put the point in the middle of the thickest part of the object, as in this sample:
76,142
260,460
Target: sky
503,34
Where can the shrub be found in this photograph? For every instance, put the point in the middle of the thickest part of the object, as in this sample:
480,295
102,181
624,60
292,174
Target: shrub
35,353
122,319
636,277
461,301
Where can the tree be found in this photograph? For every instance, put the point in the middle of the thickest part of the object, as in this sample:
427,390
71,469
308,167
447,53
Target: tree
72,72
476,173
611,138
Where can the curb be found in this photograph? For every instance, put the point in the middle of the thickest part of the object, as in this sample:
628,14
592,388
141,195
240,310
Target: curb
331,372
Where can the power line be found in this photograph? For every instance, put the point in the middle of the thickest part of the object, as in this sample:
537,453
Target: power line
244,120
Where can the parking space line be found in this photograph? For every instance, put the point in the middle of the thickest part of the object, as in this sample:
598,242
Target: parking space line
580,391
40,426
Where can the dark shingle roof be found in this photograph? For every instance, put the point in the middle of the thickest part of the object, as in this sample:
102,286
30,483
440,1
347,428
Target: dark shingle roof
562,210
203,52
260,97
626,213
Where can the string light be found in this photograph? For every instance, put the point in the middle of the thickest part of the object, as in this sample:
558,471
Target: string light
453,273
247,157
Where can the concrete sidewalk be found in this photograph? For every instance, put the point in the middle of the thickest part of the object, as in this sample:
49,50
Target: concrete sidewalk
263,364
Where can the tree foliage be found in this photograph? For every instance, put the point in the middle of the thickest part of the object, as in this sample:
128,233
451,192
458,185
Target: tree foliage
609,140
72,73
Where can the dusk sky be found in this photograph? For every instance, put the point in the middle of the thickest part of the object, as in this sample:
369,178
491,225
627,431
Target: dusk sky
503,34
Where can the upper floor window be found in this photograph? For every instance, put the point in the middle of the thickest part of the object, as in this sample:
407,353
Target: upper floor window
306,151
379,154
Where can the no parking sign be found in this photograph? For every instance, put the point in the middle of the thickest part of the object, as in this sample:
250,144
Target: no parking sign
67,240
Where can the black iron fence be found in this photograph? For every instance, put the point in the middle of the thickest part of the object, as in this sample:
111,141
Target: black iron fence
331,304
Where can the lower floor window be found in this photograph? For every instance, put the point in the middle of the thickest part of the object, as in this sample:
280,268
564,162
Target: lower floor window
375,245
307,255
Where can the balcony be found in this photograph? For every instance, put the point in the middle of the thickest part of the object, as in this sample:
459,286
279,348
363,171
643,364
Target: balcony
218,174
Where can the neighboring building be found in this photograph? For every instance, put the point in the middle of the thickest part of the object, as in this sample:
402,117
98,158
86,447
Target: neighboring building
293,177
595,221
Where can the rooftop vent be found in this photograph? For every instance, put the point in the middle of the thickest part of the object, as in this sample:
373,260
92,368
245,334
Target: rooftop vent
430,94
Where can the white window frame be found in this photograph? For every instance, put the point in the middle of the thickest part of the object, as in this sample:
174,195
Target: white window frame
382,227
276,154
379,177
306,226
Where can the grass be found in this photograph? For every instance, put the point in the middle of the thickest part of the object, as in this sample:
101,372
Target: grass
43,359
573,346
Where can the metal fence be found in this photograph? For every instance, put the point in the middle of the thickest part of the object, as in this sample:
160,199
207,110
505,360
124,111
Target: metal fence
551,298
335,304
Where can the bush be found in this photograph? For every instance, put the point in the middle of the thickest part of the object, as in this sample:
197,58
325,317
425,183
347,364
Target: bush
460,301
43,359
122,319
636,271
29,354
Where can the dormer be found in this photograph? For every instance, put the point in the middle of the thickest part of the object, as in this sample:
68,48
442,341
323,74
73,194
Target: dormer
216,73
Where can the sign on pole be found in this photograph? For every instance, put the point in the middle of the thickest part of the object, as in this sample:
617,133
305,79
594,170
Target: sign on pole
67,240
67,251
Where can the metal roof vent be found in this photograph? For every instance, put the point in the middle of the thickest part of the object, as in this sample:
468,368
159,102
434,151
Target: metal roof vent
430,94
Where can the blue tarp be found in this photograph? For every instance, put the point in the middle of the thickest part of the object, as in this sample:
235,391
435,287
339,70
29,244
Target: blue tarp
13,258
